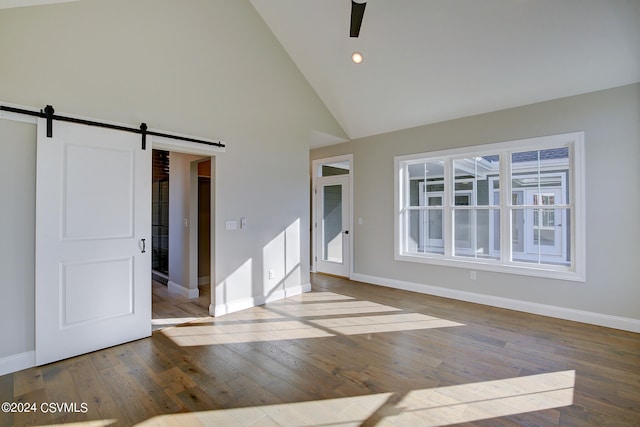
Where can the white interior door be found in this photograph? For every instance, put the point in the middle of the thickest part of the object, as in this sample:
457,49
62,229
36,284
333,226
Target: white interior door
431,220
93,240
333,222
544,225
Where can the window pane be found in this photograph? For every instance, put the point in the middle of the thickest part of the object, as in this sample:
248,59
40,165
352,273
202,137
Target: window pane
412,243
535,173
425,178
435,186
567,226
434,226
495,232
463,229
473,176
476,233
434,200
464,185
486,232
541,236
425,231
463,200
332,223
517,231
332,169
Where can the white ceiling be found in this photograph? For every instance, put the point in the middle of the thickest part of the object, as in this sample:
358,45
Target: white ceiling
427,61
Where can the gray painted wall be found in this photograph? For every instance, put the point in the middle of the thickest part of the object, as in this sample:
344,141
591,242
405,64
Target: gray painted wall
179,210
210,68
17,236
611,122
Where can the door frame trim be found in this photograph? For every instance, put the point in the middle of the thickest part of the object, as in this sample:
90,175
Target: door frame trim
212,152
315,165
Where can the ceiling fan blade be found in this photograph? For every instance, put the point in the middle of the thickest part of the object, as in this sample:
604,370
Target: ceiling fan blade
357,13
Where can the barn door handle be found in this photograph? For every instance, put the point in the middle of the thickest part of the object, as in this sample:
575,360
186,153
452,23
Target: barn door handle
144,245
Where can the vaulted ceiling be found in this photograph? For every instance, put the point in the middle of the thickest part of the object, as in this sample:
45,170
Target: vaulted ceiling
427,61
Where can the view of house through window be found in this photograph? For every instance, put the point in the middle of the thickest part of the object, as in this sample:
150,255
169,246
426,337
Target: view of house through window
451,204
540,178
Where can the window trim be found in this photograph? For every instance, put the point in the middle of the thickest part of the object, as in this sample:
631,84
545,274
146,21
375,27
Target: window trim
574,141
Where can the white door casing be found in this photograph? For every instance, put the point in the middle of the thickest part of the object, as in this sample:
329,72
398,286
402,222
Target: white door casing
93,240
333,217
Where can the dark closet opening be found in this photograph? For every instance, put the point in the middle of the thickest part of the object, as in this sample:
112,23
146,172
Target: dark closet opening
160,214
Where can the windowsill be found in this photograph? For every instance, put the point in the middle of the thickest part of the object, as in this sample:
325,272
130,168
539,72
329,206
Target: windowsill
524,269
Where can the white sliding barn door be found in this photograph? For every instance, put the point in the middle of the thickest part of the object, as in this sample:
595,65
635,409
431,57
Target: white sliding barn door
93,202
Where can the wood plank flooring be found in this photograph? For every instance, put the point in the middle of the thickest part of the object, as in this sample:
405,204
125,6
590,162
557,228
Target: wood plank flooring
170,309
346,354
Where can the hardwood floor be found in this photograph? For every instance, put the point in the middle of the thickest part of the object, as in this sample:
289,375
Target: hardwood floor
345,354
169,309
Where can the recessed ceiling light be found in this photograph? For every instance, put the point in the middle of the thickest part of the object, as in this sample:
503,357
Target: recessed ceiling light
357,57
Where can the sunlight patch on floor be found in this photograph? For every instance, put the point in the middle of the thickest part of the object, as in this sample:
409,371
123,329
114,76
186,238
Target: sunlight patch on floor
96,423
309,315
484,400
320,296
426,407
255,314
202,334
330,308
383,323
172,321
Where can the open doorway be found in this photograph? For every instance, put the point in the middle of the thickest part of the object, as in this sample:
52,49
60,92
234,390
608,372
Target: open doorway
160,216
181,243
204,222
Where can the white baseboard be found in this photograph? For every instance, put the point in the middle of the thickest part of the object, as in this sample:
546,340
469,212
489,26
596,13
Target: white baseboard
243,304
17,362
203,280
181,290
599,319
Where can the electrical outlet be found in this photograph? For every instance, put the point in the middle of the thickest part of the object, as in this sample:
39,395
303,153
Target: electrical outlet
272,274
473,275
